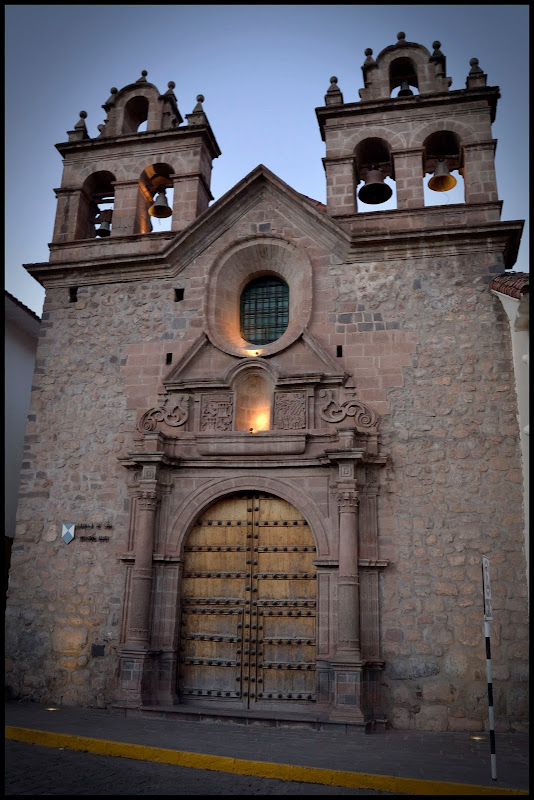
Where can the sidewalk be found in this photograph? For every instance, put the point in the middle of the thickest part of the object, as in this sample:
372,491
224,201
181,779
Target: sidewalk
409,762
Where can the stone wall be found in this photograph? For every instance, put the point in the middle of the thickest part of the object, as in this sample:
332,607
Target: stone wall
428,347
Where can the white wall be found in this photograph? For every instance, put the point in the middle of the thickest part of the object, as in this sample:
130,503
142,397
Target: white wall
21,333
517,311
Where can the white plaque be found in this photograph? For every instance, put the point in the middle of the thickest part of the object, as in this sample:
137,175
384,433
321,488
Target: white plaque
67,533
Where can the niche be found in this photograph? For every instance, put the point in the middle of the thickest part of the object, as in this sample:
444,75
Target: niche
253,402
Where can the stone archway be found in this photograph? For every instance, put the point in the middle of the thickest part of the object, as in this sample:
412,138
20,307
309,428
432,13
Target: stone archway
248,605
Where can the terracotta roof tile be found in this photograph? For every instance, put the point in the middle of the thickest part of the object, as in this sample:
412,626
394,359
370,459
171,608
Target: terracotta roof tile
511,283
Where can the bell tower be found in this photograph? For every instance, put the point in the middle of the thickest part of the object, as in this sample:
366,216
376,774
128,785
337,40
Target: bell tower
425,130
114,185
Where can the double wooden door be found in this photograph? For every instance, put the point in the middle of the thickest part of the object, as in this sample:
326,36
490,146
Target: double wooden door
248,605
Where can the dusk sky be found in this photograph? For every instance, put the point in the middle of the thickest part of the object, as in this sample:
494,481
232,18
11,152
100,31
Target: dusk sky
263,70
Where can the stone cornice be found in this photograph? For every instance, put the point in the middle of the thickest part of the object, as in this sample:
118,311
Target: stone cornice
177,249
439,241
489,94
146,138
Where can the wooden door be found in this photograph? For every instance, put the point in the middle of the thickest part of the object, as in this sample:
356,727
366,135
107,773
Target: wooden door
248,605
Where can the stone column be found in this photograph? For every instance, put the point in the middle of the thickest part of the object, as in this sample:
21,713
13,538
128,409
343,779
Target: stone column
138,631
348,585
136,662
347,663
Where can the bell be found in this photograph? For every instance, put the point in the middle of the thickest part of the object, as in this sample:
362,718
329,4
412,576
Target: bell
104,229
160,209
405,90
441,180
374,191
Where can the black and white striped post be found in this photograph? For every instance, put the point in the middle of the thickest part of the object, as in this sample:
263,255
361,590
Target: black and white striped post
486,589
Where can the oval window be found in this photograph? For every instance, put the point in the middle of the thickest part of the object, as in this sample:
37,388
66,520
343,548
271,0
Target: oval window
264,310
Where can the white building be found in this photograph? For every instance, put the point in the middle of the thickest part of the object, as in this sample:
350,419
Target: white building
22,332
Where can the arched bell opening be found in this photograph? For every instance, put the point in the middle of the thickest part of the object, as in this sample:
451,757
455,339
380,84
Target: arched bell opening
95,211
248,606
135,115
375,179
403,78
254,395
443,162
155,199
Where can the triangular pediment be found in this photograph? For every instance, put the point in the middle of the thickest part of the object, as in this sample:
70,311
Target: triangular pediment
259,186
307,361
205,366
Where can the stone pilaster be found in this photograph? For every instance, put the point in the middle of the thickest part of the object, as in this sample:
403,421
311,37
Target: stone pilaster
348,580
136,661
347,663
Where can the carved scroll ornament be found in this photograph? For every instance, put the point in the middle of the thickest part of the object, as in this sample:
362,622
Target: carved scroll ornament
332,411
175,412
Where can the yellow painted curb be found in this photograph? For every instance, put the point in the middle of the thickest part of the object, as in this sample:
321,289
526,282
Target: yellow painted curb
260,769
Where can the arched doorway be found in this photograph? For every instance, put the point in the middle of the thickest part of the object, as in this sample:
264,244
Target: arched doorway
248,605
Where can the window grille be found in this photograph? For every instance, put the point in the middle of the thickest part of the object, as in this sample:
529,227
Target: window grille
264,310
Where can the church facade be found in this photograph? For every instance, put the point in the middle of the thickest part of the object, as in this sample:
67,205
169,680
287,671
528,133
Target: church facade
268,448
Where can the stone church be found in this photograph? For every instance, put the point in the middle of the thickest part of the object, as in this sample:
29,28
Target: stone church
267,448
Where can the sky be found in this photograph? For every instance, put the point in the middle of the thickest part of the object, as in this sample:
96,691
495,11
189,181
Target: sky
263,70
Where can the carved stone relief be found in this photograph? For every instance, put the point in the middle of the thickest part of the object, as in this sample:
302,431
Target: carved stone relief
333,411
174,412
217,412
289,410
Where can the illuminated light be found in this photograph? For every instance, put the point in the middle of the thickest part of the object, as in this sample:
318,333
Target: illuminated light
261,421
253,353
478,738
52,709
